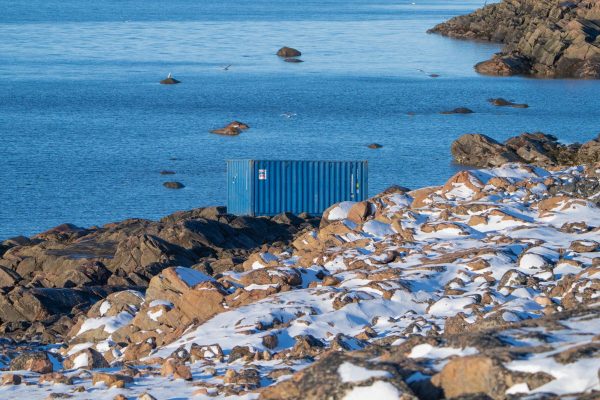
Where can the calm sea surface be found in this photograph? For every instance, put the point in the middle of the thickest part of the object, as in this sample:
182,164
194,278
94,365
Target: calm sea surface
86,128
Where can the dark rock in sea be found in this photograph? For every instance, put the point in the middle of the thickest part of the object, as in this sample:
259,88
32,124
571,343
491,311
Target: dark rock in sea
434,75
293,60
167,172
459,110
374,146
530,148
542,37
173,185
169,80
232,129
288,52
500,102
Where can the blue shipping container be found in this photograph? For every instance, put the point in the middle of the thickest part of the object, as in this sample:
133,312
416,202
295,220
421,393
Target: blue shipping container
270,187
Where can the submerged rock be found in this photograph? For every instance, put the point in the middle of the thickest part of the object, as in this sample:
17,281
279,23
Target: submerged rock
375,146
293,60
459,110
287,52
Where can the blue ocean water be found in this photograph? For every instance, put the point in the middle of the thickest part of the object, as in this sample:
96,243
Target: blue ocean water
86,127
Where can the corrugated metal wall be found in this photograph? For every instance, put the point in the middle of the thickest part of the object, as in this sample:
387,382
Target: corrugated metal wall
240,187
295,186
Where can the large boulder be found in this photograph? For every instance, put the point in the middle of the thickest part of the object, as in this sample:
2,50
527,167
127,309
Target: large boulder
86,359
481,151
36,361
589,152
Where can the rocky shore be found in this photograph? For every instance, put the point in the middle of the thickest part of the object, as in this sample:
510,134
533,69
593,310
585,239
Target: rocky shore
537,148
545,38
484,287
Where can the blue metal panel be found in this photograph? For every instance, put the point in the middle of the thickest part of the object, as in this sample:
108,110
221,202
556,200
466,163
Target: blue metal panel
240,187
270,187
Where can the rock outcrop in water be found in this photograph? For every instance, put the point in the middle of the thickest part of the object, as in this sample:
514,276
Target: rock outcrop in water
287,52
232,129
532,148
169,80
546,38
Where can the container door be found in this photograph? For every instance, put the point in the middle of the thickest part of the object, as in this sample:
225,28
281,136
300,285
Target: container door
239,187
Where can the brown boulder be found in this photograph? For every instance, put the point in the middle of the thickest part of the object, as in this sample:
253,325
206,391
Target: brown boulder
36,361
287,52
481,151
11,379
111,380
86,359
232,129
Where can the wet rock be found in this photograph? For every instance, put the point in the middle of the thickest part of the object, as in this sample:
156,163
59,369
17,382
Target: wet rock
167,172
173,185
293,60
232,129
500,102
375,146
459,110
287,52
169,80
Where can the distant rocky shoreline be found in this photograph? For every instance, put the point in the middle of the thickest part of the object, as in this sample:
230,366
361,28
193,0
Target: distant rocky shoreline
544,38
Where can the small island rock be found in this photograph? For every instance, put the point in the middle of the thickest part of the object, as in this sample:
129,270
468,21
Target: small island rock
288,52
232,129
169,80
173,185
